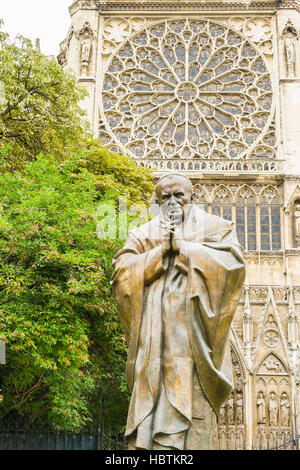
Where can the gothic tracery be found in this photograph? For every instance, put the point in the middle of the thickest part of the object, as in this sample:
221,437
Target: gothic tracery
188,89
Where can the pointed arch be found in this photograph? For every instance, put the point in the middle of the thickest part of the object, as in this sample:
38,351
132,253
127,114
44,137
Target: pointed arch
274,368
293,197
245,192
270,193
200,197
270,219
222,202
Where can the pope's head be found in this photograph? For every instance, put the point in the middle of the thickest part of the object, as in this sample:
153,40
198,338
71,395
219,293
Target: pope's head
173,193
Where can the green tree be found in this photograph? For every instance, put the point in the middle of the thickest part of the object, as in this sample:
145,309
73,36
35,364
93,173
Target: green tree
64,340
40,112
65,345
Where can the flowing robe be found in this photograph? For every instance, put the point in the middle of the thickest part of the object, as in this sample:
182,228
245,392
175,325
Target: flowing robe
176,312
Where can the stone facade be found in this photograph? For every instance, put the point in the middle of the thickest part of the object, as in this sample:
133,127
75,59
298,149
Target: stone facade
212,89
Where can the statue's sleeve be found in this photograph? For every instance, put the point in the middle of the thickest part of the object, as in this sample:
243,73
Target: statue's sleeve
135,267
216,271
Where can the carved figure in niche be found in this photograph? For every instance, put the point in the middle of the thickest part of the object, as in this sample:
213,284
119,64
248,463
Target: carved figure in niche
290,36
273,410
86,47
222,416
297,225
230,409
271,323
290,51
239,409
285,409
261,408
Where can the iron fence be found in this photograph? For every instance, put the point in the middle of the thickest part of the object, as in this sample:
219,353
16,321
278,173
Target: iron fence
43,440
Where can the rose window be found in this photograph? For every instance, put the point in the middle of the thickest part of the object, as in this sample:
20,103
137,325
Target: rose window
187,89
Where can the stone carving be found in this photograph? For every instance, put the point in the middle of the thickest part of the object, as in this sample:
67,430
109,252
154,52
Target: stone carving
222,416
230,409
290,36
239,409
271,323
297,225
238,377
237,22
271,338
156,273
137,23
273,410
258,29
107,47
116,29
284,410
261,408
185,97
86,46
85,37
272,364
289,42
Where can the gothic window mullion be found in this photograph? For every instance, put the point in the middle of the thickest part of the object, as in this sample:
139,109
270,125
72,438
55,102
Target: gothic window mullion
240,222
251,224
275,226
233,208
258,231
246,226
265,227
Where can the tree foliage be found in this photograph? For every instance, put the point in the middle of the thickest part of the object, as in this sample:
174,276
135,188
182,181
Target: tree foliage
62,329
65,345
40,112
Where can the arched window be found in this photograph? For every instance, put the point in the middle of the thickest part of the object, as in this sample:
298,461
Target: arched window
270,222
222,205
199,198
216,207
246,220
227,209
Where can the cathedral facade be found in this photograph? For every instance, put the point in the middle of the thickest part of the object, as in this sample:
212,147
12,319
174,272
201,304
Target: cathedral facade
211,89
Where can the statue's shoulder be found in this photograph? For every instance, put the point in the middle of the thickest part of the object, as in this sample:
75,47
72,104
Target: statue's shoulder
145,230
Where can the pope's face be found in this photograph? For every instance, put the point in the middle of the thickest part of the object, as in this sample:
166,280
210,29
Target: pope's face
173,194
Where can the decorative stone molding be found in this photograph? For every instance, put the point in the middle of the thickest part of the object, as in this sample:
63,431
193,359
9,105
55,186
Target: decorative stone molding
214,166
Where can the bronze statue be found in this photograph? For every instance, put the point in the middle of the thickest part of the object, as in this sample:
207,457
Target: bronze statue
177,283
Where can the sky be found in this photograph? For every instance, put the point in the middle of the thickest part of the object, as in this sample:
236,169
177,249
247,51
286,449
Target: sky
48,20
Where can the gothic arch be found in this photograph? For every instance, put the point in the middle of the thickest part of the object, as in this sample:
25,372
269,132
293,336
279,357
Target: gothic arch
242,192
219,189
293,197
270,192
86,29
200,193
265,356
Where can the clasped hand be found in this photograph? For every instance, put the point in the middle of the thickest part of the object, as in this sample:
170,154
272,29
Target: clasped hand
170,244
